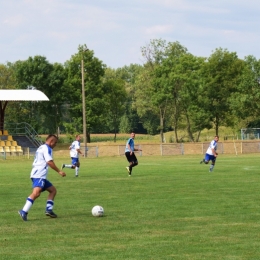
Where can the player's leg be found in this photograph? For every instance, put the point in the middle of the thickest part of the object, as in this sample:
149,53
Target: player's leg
38,186
70,166
213,161
202,161
76,164
128,168
50,199
134,160
133,163
206,159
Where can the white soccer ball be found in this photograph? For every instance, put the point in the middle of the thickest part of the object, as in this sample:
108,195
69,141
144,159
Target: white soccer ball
97,211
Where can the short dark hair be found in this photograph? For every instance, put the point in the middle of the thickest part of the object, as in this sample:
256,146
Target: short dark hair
51,135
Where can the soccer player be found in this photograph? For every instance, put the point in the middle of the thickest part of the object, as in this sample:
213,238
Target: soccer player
74,154
211,153
130,155
42,161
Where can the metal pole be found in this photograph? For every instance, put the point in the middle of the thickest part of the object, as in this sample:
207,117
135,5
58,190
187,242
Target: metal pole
83,107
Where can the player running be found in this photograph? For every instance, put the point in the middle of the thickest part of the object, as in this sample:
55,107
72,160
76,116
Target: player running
74,154
211,153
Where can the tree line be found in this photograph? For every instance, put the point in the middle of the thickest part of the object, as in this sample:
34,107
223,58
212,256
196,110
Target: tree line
172,90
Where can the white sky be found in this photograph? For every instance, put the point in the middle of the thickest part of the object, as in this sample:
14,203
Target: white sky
116,29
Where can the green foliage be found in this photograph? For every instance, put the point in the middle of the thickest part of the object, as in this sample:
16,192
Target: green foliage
94,89
172,90
221,74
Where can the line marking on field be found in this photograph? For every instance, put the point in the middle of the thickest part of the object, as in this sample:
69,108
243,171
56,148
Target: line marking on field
249,168
149,164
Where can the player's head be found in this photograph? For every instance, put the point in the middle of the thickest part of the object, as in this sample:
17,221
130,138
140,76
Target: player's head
77,137
51,140
132,135
216,138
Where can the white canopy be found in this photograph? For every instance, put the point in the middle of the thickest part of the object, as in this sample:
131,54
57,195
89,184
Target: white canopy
22,95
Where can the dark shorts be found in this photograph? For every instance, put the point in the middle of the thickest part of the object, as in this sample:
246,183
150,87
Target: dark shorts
130,158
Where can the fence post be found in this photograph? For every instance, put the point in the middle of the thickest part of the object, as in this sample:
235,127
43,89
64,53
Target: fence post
139,147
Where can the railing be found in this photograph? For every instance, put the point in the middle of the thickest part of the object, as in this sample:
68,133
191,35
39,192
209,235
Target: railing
24,129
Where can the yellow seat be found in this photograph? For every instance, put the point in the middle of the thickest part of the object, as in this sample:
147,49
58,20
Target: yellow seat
0,132
2,143
14,143
7,149
12,148
1,149
5,132
8,143
19,149
9,138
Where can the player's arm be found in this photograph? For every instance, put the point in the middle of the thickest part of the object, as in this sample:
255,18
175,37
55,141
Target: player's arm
129,148
79,151
55,168
214,152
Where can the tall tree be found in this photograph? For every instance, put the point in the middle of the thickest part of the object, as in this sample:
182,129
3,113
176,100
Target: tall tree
7,81
221,75
94,90
246,101
49,78
152,95
115,99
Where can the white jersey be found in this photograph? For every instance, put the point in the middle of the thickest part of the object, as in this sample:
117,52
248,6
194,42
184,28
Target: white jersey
213,145
73,149
40,166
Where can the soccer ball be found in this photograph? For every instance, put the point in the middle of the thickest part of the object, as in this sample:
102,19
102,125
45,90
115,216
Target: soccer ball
97,211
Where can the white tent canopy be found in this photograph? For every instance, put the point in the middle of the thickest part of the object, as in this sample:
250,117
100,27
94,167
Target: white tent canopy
22,95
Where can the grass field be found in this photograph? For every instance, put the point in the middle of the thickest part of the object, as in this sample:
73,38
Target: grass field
171,208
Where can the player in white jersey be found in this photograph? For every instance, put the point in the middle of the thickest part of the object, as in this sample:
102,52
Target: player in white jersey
42,161
211,153
74,154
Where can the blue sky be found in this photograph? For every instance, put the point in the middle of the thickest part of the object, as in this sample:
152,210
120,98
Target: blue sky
117,29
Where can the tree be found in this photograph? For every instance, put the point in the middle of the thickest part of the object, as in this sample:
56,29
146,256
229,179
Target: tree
130,121
180,75
166,83
221,74
36,71
115,99
7,81
94,90
152,93
245,102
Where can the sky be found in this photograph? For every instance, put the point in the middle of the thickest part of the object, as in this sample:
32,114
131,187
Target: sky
117,29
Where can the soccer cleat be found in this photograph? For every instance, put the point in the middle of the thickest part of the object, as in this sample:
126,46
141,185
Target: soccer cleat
62,166
50,213
23,215
76,175
202,161
128,170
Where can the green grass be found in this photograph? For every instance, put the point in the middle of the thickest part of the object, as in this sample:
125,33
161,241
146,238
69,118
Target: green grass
171,208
